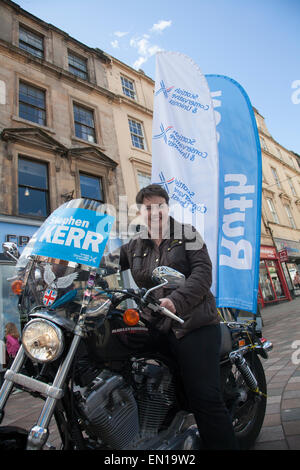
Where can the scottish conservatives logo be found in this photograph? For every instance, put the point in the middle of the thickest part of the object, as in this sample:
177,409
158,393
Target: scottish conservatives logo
185,146
183,99
181,193
163,89
165,183
163,133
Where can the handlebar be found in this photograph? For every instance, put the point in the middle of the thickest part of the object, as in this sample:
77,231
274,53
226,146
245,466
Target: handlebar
138,295
165,311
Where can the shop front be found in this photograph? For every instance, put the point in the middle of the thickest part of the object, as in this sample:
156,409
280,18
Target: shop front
19,233
290,250
273,286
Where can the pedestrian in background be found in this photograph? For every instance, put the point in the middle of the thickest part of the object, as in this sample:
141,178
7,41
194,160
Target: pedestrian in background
12,340
297,280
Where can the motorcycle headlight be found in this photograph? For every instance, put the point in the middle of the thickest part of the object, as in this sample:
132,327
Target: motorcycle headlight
42,340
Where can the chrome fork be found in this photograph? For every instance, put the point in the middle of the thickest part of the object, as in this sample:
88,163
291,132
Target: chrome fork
8,383
39,433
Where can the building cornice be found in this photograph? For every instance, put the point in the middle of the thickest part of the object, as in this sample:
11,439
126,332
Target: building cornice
278,160
103,56
49,26
268,136
138,73
134,104
12,219
93,155
285,197
68,76
33,137
58,71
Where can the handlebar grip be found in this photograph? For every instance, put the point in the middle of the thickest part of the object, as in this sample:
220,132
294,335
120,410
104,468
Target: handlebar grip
170,314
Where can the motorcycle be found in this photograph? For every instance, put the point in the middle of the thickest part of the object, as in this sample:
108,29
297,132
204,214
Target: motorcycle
97,366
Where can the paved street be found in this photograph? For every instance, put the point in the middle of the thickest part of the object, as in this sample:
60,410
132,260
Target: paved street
281,428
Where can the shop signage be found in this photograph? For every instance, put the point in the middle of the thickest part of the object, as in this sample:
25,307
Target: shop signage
19,234
283,256
291,246
267,252
20,240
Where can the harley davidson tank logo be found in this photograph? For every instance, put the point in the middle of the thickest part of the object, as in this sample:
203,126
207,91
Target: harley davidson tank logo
49,297
120,331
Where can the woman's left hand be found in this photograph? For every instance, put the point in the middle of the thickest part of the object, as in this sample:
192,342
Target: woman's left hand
167,303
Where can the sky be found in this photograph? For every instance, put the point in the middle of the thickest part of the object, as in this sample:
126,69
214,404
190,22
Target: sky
255,42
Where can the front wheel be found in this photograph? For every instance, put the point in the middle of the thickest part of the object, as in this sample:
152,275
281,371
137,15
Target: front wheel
247,407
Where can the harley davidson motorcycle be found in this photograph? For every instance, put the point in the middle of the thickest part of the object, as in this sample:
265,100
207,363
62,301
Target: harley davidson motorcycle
97,367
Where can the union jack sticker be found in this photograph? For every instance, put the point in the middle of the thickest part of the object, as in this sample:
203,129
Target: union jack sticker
49,297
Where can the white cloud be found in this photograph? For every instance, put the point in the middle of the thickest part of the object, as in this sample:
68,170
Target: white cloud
143,44
139,62
145,50
115,44
120,34
161,25
152,50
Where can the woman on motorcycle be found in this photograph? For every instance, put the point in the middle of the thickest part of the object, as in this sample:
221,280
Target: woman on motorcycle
195,344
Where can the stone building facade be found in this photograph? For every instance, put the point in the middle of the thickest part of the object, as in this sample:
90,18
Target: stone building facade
75,121
133,112
280,227
56,114
57,134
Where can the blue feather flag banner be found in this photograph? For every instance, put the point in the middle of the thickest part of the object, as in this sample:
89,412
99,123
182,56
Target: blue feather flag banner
240,188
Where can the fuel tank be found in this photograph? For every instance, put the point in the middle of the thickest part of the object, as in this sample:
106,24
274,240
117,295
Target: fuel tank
116,341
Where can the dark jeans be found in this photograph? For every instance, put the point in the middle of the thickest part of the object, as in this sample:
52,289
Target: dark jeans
197,355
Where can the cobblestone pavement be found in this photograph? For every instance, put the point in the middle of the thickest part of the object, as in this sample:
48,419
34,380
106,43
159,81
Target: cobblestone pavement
281,427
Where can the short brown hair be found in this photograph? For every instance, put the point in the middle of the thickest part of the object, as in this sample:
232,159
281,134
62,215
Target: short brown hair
151,190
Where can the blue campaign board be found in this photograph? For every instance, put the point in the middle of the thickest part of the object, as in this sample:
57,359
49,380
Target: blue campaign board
76,235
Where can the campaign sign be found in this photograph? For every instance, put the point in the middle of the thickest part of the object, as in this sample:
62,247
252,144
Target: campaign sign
184,146
240,187
72,234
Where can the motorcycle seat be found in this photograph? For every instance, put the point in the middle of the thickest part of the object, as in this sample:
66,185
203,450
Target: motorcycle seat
226,340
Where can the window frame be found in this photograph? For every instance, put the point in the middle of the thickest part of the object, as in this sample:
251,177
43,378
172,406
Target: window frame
279,154
292,163
292,187
37,36
84,60
263,143
136,135
46,190
124,87
90,110
276,177
290,216
99,179
142,173
272,209
43,110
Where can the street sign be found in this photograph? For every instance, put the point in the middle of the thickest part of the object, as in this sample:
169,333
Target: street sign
283,256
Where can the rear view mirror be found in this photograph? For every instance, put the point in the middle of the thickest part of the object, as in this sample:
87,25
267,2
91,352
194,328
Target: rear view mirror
163,274
11,250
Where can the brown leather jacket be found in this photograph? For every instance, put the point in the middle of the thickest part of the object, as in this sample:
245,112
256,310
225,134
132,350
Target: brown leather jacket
185,251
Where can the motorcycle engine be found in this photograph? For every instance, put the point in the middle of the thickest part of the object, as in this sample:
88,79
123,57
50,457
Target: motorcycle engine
110,410
124,415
